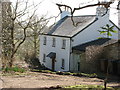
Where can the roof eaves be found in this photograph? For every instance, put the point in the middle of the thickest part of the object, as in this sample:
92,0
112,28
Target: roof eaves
85,27
56,35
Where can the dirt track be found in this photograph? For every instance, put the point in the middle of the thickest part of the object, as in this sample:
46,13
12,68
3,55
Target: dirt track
41,80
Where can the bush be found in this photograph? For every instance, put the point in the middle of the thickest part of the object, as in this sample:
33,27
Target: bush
59,73
67,73
14,69
77,74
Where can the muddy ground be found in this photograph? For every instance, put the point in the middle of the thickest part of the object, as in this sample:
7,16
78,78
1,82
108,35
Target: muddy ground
46,80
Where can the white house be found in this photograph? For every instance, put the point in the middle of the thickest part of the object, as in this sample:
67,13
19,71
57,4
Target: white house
56,44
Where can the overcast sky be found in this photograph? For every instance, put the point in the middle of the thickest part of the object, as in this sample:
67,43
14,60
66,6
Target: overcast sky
48,6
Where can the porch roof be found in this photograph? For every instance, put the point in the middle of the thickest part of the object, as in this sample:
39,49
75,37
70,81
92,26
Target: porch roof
51,55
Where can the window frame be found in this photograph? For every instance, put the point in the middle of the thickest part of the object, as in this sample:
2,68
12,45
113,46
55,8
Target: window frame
63,43
63,63
44,57
53,42
44,40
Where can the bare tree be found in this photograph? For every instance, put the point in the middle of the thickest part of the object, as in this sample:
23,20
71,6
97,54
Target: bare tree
37,25
20,16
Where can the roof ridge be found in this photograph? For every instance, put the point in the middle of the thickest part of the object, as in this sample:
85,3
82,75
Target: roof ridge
82,15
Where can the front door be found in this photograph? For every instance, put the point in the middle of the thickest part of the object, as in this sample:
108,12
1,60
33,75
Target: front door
53,64
78,66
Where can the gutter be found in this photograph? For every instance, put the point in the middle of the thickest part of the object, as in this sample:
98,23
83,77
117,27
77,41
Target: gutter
55,35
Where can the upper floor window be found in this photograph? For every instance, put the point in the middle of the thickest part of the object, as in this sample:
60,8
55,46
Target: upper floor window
54,42
44,41
44,57
63,44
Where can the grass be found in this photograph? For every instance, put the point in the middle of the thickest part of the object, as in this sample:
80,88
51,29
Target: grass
89,87
67,73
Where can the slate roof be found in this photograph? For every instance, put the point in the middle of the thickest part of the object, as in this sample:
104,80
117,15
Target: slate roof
65,27
102,41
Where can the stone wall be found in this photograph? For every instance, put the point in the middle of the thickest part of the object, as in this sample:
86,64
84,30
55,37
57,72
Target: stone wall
112,52
92,56
95,54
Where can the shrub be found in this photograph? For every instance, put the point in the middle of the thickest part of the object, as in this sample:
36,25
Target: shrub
59,73
14,69
67,73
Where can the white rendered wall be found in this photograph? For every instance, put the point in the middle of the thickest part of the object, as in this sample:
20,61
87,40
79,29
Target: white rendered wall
91,32
60,53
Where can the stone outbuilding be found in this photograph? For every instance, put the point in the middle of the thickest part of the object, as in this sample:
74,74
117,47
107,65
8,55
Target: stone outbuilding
96,55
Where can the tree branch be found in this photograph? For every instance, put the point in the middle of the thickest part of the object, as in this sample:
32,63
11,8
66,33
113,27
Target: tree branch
72,11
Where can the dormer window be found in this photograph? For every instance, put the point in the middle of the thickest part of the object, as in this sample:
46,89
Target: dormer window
44,41
63,44
54,42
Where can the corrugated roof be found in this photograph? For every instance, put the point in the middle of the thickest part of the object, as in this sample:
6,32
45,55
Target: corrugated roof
65,27
102,41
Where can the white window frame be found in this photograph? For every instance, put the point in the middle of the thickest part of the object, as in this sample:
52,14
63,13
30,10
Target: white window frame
44,57
63,43
44,40
63,63
54,42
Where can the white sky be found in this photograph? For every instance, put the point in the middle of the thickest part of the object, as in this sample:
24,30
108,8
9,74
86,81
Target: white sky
48,6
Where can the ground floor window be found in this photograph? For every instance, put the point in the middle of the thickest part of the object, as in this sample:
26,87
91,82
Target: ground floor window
63,64
44,57
78,66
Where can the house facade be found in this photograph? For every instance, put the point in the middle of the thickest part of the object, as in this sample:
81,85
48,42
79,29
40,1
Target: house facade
56,44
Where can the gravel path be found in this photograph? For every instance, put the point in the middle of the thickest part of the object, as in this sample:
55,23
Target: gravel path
41,80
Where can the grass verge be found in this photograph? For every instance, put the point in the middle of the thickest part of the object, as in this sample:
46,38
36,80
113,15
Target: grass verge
89,87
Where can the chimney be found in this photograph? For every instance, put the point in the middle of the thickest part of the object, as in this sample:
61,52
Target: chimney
101,11
65,13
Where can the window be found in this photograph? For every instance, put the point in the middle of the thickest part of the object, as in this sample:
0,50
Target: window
63,44
63,64
44,57
54,42
44,41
